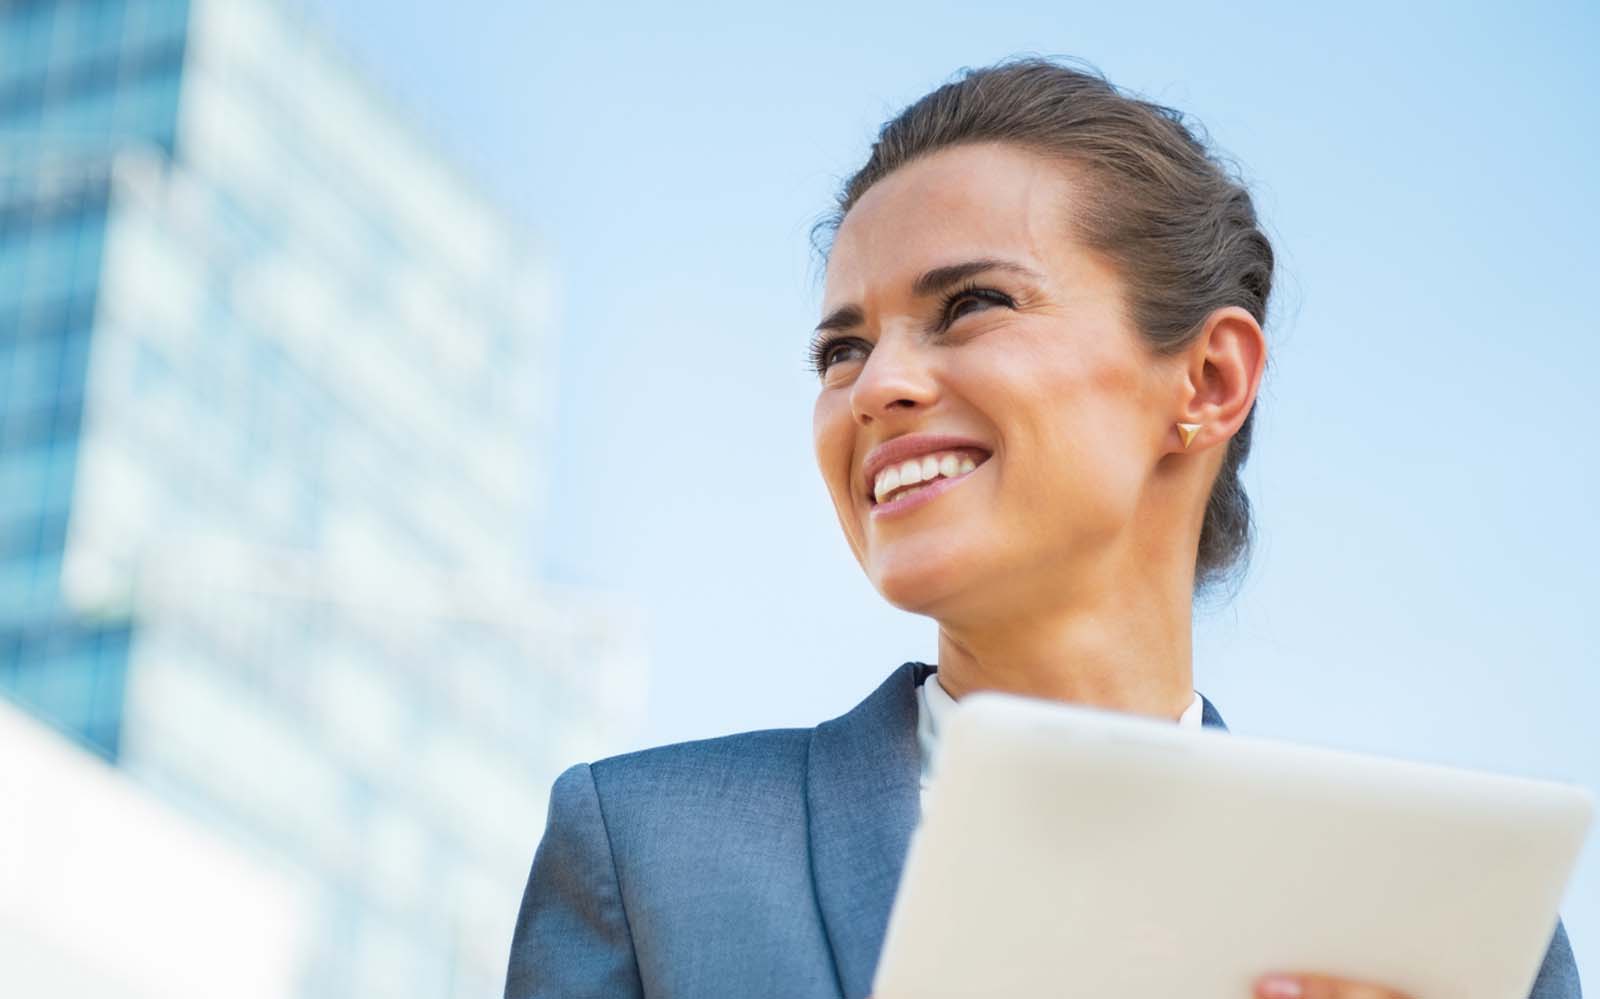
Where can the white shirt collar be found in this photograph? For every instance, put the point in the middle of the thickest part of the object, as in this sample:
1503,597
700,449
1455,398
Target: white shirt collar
934,704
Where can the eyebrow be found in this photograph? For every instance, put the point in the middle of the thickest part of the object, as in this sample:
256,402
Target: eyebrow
929,283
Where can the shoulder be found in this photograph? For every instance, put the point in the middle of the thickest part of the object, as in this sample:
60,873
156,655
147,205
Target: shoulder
757,766
727,809
754,780
754,752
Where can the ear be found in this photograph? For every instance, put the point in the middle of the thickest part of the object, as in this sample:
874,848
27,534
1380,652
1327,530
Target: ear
1223,369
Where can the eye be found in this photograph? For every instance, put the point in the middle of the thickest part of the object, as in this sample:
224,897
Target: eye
970,299
825,353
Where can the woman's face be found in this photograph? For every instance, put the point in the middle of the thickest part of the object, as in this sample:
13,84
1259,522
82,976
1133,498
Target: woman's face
958,303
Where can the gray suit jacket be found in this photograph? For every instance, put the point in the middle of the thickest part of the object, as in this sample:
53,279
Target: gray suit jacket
752,865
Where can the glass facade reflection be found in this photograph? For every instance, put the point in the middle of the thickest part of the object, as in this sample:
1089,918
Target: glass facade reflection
274,383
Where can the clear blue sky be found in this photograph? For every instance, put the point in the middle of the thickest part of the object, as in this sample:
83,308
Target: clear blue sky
1425,466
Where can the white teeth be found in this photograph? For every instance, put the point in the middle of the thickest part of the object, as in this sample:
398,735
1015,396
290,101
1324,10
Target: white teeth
918,470
888,482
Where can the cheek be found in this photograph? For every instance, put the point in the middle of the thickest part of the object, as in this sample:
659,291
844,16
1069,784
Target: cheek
833,436
1068,423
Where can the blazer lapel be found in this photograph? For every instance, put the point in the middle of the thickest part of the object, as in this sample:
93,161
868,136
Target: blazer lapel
863,799
1209,718
862,794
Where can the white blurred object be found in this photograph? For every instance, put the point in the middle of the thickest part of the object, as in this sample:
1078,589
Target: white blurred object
105,891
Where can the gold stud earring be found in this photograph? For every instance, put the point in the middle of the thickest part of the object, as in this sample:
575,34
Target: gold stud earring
1187,432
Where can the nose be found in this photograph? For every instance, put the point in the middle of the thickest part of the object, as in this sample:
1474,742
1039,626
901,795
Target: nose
895,377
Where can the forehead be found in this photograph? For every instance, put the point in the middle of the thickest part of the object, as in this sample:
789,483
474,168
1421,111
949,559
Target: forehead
981,200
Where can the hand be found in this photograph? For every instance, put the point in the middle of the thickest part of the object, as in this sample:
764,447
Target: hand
1282,986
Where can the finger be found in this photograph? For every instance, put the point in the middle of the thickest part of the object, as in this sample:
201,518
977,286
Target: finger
1321,987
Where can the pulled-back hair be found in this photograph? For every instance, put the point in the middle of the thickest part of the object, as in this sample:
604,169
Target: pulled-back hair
1173,220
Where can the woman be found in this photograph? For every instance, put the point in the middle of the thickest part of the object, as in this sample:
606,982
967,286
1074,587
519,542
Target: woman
1040,348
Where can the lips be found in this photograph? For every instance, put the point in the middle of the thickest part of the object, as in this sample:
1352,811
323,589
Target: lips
908,446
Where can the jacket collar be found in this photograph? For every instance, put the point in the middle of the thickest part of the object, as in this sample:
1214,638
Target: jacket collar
863,802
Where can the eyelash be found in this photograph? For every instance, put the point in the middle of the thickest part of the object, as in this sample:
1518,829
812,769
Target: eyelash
822,345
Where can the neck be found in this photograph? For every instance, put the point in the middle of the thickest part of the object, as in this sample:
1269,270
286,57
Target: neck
1131,655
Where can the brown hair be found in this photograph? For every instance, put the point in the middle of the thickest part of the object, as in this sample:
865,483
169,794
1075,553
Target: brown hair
1171,217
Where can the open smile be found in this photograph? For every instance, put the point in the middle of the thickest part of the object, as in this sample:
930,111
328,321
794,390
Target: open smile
934,476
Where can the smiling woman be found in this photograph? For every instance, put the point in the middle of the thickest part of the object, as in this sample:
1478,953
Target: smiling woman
989,320
1038,361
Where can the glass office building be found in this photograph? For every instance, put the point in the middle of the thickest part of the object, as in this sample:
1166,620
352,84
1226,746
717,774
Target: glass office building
274,387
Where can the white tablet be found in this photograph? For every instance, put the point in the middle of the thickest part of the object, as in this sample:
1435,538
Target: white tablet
1071,851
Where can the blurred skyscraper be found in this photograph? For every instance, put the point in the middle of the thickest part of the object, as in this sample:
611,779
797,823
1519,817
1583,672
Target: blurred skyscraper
274,387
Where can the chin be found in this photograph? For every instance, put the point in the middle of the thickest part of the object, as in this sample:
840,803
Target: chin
921,585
